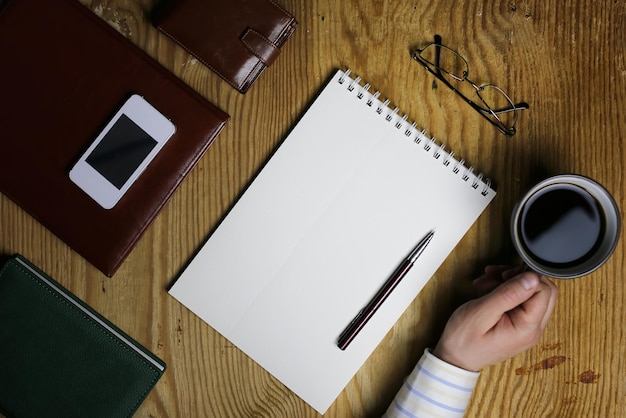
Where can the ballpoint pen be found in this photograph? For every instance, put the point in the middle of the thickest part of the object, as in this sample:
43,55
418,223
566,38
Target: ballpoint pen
366,313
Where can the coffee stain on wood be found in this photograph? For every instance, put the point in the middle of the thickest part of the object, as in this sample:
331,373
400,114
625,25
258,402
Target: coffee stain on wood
551,347
588,377
549,363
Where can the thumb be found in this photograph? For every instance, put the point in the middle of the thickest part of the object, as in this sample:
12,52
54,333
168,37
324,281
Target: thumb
508,296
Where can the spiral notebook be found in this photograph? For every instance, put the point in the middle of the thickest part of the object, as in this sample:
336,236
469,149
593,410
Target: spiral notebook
352,189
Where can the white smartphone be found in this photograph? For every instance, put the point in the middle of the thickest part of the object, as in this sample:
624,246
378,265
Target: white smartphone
122,151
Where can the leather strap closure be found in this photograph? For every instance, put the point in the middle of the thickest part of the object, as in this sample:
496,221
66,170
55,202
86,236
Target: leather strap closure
260,46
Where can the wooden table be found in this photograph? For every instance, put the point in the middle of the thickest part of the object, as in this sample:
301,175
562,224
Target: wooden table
566,59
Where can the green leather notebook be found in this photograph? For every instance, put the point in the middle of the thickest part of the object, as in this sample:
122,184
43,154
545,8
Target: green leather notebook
60,358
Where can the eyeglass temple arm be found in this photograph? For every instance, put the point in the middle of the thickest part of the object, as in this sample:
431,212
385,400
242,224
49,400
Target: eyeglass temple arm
518,106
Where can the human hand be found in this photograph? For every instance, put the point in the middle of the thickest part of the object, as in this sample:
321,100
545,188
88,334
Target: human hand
501,324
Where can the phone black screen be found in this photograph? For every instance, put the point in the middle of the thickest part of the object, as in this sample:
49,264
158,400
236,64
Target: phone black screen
121,151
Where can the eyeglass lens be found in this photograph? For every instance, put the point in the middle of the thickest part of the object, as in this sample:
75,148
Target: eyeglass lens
454,69
449,62
499,103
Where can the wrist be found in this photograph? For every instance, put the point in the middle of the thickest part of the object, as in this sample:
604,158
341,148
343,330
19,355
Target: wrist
446,356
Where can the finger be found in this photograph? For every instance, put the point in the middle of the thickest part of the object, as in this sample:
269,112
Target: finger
494,276
485,284
491,279
506,297
554,291
536,311
496,270
512,272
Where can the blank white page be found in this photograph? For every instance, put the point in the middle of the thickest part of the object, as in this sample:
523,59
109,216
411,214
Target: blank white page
341,203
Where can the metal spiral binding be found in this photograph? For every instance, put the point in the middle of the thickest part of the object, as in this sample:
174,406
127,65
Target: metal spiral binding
429,144
345,75
457,167
438,150
401,122
477,180
485,191
409,130
391,115
467,173
374,97
384,105
363,91
355,81
420,135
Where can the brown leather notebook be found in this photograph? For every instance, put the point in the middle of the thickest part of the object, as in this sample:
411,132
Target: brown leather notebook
237,39
65,72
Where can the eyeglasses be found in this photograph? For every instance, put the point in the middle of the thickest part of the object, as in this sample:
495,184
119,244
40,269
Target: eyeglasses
451,68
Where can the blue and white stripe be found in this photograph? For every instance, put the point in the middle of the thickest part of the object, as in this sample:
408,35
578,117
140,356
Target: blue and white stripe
434,389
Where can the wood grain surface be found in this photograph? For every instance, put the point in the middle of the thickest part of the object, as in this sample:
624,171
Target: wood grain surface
565,58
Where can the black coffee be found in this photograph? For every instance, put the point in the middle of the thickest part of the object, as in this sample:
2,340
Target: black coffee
561,226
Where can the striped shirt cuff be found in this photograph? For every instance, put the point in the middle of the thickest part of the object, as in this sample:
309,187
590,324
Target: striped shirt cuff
434,389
